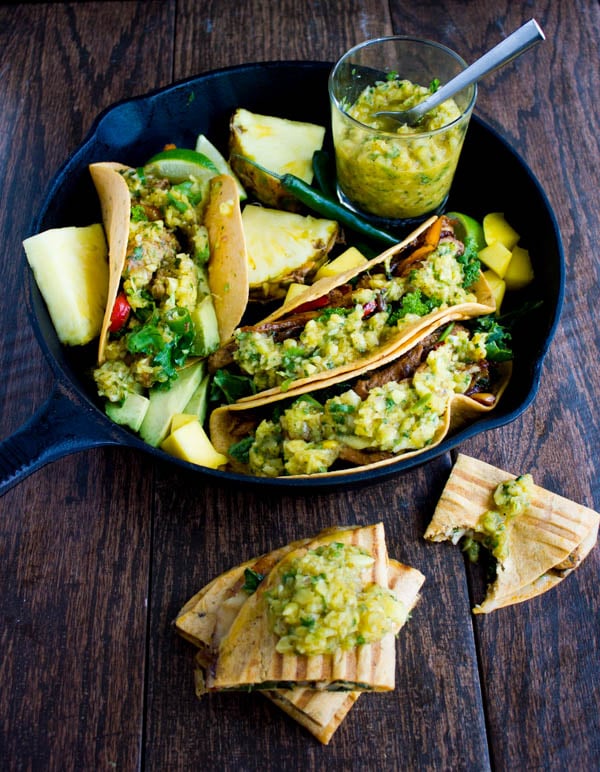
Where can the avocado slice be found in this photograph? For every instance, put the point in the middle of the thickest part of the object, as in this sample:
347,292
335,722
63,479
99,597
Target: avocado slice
198,404
165,402
206,325
130,412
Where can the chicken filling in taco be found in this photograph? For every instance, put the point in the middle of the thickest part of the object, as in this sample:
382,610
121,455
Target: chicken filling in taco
358,318
152,332
401,407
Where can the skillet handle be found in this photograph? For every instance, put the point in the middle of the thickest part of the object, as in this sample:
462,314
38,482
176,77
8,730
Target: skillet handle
64,424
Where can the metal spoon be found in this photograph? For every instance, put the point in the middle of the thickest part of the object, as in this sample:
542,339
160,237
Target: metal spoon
514,45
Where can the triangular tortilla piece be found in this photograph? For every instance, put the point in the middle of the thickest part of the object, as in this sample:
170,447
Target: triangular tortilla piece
545,543
115,203
228,264
248,657
319,711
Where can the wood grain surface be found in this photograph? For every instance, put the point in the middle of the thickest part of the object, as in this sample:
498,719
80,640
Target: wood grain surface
100,549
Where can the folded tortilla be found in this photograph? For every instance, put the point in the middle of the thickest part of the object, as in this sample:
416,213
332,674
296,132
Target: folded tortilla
415,247
229,424
208,615
227,267
545,543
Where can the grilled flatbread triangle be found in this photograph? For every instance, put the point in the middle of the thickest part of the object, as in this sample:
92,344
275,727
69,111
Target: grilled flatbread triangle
545,543
248,657
207,616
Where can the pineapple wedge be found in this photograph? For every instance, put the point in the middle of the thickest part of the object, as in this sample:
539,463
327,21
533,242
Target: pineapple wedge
279,145
283,248
70,266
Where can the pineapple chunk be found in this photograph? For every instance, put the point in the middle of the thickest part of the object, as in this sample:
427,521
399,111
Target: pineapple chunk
351,258
520,271
70,266
190,443
496,256
277,144
294,291
497,286
495,228
283,247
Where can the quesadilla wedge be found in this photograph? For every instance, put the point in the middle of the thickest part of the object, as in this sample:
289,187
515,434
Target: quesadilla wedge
536,537
208,615
405,406
323,618
360,316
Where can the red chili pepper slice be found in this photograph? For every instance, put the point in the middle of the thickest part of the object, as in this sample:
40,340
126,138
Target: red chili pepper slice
369,308
120,313
312,305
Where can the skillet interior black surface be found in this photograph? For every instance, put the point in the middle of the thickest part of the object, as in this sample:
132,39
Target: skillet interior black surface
133,130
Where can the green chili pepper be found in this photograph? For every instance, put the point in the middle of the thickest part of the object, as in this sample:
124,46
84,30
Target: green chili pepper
326,206
324,172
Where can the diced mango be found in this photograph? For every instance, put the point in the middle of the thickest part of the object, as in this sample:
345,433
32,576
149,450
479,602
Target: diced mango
495,228
293,291
349,259
181,419
520,271
496,256
191,443
497,286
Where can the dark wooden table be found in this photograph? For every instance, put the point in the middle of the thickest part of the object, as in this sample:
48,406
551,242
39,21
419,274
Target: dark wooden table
100,549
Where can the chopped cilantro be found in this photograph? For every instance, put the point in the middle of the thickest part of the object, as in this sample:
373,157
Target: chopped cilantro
226,385
497,344
412,303
251,580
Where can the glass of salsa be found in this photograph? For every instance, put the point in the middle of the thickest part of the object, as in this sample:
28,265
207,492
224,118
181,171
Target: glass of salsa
396,174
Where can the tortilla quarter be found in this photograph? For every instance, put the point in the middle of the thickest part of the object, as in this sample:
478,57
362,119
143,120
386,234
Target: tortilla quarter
545,543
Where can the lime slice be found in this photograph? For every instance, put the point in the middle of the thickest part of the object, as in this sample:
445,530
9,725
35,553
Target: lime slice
179,164
206,147
468,230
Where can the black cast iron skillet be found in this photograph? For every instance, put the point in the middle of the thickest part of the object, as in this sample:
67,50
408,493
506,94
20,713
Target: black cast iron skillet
491,177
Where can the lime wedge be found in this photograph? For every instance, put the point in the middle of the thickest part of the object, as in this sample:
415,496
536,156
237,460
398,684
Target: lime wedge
179,164
206,147
468,230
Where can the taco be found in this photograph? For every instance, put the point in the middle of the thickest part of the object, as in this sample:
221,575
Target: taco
207,616
356,318
409,403
535,537
159,308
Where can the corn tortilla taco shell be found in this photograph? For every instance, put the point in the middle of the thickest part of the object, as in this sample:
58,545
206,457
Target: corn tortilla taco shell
230,423
546,543
115,203
228,265
422,241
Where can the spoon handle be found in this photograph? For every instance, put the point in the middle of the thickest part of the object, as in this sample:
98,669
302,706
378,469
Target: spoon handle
509,48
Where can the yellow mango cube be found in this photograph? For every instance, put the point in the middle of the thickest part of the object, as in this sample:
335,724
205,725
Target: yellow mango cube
520,271
181,419
496,229
497,286
191,443
294,290
496,256
351,258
